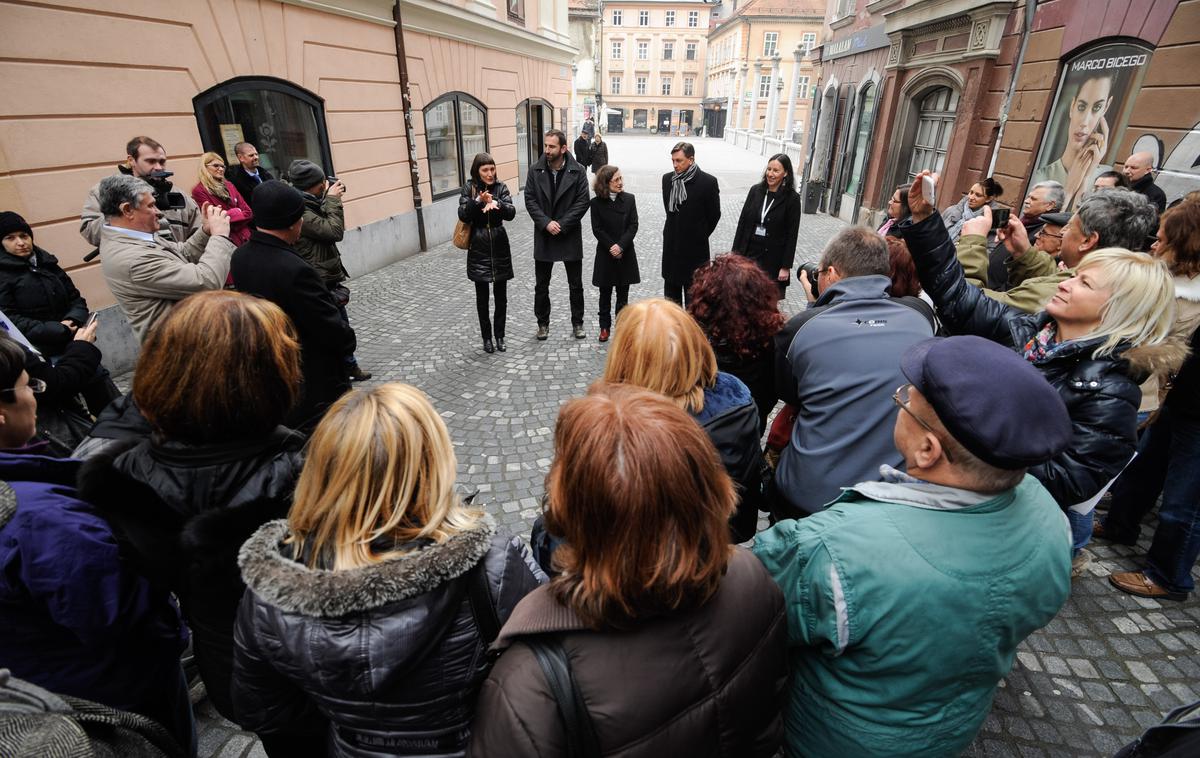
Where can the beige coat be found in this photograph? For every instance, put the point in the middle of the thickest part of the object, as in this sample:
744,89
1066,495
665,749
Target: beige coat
1187,318
148,278
178,223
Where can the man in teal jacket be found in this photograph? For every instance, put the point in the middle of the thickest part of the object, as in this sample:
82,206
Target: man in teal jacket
907,597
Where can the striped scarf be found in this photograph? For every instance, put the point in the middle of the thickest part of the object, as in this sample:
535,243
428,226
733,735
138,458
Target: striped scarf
678,190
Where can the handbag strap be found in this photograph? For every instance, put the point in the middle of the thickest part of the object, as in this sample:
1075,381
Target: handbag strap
580,732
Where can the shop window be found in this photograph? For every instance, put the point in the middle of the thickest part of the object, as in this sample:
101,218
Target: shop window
639,118
534,118
935,124
862,137
455,130
281,120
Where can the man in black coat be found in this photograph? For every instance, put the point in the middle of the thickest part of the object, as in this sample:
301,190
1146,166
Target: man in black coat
692,200
583,150
267,266
247,175
556,196
1139,170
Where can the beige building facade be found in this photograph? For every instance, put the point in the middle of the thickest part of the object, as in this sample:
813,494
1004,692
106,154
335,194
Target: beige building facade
652,57
299,79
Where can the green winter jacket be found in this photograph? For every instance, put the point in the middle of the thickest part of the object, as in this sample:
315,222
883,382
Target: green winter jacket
1034,276
905,604
324,226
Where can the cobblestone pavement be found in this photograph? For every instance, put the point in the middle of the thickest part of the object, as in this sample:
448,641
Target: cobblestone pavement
1108,666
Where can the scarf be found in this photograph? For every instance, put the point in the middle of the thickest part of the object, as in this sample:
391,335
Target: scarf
955,229
1043,345
678,190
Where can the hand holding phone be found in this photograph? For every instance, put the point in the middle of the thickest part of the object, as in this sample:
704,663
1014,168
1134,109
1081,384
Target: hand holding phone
1000,218
928,191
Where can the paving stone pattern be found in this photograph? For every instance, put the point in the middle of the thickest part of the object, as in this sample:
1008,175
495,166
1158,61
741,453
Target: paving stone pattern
1107,667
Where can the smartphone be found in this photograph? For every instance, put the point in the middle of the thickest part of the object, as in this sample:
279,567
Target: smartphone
90,319
999,218
928,190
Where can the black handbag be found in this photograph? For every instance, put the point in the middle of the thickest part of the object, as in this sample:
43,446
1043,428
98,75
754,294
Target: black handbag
578,728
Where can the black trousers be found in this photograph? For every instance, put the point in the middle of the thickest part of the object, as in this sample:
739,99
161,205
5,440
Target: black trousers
677,292
496,324
606,311
541,290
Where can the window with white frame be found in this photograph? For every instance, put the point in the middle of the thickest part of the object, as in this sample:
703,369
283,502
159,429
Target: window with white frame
643,51
666,85
936,114
641,85
668,50
616,18
844,8
618,49
764,85
670,18
691,51
693,19
689,86
614,85
643,18
808,41
802,88
770,43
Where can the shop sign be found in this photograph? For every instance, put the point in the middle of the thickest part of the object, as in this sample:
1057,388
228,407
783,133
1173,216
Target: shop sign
861,41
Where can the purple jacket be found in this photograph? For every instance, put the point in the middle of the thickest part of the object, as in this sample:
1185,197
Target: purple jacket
77,620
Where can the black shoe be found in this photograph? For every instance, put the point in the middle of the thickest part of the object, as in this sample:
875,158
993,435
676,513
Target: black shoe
543,331
500,344
488,347
358,375
579,332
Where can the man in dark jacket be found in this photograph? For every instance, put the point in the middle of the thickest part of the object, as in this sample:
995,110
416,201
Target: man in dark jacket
247,174
1139,170
556,196
692,200
269,267
583,150
839,363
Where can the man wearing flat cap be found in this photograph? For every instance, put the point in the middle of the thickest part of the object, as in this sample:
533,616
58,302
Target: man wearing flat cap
268,266
908,596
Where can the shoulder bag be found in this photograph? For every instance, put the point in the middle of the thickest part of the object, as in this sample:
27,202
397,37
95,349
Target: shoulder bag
462,230
578,728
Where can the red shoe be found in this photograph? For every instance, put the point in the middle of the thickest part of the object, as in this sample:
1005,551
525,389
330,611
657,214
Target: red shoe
604,335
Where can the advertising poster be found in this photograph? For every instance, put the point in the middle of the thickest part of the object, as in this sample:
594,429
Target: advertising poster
1095,96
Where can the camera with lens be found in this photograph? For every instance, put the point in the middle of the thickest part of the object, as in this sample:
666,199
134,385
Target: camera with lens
333,180
811,269
164,198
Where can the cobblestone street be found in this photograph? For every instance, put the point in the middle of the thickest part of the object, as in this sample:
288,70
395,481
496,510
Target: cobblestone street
1107,667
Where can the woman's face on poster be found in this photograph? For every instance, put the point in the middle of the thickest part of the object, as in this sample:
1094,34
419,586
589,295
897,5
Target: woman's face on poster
1088,107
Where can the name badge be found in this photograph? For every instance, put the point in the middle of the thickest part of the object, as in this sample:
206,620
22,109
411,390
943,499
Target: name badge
760,231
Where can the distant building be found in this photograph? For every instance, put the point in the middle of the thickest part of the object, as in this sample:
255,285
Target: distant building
584,24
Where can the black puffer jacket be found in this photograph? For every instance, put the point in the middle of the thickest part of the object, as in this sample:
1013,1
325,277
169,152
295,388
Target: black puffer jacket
382,660
1101,394
181,512
38,297
489,258
730,418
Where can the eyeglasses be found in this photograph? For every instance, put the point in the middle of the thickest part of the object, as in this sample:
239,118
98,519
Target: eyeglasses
36,386
900,398
215,166
1044,233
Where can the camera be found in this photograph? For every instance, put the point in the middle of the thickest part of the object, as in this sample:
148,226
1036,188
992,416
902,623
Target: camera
164,198
332,180
811,269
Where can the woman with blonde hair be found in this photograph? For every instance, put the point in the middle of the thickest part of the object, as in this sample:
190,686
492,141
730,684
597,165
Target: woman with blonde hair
1105,330
370,609
660,347
667,641
214,189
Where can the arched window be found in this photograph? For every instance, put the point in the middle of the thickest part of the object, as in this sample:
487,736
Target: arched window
862,137
455,130
281,120
935,123
534,117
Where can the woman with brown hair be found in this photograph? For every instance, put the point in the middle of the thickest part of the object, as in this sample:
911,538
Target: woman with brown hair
674,641
661,348
215,379
614,224
214,189
370,609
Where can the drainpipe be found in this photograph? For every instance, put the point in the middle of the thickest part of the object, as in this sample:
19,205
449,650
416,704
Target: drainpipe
409,136
1030,11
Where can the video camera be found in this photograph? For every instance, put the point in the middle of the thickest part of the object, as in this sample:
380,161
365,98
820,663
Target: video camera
164,198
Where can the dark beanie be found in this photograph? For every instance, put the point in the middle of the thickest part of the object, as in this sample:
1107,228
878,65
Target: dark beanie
304,174
277,205
11,222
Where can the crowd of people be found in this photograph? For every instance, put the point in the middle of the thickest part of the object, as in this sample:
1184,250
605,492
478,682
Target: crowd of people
950,408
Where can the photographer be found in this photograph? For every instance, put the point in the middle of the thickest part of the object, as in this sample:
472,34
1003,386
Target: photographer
147,160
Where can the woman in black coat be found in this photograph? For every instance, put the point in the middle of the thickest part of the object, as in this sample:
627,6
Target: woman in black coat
599,154
486,204
369,611
615,224
35,292
770,221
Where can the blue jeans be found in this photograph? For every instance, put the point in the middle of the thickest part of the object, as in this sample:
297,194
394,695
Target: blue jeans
1081,529
1168,462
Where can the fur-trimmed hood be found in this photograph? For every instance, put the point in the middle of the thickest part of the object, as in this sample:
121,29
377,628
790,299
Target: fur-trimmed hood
278,579
1165,357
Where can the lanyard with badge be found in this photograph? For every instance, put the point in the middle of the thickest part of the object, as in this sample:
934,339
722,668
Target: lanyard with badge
761,229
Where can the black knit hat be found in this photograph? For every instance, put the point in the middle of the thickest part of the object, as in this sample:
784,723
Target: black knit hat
11,222
305,174
277,205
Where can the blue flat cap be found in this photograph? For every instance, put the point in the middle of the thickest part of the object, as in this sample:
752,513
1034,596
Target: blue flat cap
991,400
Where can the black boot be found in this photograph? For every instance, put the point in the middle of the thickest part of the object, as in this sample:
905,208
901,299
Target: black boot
500,344
488,347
